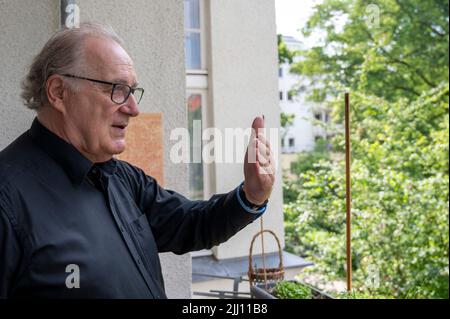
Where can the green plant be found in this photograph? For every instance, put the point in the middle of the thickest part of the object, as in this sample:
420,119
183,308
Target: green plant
363,294
307,160
292,290
400,194
400,145
402,54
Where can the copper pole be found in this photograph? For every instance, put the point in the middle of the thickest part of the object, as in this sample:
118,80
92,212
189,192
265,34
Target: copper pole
348,191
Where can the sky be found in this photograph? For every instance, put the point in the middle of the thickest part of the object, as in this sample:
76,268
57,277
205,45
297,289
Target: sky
292,15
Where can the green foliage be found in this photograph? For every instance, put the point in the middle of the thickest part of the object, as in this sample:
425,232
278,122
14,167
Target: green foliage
284,54
400,184
286,119
395,65
307,160
292,290
363,294
388,48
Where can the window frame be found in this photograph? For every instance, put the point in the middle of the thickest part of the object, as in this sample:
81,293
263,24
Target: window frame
197,83
203,36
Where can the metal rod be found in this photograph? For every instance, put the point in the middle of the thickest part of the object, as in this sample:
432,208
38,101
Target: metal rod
348,191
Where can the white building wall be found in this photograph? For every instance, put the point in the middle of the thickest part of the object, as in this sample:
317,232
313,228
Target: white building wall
302,130
243,84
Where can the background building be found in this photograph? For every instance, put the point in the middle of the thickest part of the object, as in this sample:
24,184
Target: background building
310,118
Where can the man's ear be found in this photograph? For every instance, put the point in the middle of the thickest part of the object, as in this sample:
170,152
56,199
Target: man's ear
55,88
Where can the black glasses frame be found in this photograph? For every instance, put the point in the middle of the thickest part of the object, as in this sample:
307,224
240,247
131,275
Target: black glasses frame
114,85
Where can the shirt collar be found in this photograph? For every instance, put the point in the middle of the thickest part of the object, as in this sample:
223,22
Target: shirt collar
71,160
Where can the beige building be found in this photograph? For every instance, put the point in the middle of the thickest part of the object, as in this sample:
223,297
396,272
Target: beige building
212,60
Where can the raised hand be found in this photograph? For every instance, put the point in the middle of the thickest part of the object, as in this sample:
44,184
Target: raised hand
259,166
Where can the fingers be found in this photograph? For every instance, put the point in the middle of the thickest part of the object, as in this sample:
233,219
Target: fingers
263,153
264,156
259,148
262,139
266,170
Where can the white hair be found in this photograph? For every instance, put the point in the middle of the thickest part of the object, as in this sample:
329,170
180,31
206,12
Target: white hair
63,53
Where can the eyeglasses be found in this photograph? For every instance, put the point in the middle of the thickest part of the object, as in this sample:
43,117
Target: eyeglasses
119,93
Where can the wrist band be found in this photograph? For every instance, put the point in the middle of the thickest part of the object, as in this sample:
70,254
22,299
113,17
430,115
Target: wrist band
247,205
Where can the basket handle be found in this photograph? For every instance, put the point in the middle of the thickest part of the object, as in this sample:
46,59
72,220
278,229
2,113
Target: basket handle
280,253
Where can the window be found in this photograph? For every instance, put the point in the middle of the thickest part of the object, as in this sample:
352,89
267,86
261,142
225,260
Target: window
290,95
280,72
196,93
193,55
281,95
194,35
291,142
318,116
194,109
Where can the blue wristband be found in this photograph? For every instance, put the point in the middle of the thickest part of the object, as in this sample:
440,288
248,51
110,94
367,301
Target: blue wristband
248,209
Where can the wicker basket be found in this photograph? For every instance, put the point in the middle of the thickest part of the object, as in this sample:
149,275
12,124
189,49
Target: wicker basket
265,275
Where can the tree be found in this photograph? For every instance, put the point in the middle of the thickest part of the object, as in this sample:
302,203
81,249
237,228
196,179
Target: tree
389,48
284,54
400,197
396,69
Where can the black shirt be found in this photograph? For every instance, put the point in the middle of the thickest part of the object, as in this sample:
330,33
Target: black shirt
58,209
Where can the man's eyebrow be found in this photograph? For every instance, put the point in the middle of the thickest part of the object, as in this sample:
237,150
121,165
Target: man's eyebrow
122,81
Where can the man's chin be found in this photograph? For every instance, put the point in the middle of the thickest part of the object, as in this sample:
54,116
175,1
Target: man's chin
118,147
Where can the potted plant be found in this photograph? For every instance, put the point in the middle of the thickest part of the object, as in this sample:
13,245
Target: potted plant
268,283
287,289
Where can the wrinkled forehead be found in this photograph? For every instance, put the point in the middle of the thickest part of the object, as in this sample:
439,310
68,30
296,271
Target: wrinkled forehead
108,60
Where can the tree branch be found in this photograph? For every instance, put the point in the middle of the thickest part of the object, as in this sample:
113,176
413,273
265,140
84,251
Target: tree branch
419,73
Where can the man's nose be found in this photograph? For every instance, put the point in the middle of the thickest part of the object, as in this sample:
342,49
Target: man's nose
130,107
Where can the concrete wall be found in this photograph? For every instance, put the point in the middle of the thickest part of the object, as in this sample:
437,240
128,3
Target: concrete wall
153,32
25,26
243,84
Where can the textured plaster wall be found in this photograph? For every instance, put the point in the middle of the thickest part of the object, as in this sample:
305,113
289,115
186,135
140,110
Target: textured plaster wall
153,32
25,26
244,83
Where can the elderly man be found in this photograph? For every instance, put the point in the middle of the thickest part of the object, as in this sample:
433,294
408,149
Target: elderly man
67,205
